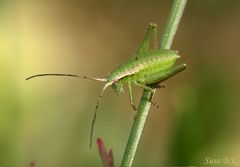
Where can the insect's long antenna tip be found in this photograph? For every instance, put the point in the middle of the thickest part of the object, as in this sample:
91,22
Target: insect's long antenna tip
33,76
95,113
29,78
68,75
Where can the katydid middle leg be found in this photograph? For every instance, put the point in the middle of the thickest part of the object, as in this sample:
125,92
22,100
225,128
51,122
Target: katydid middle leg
131,96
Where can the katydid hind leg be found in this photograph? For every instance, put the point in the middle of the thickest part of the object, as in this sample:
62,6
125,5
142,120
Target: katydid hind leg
155,40
156,79
131,96
149,36
174,71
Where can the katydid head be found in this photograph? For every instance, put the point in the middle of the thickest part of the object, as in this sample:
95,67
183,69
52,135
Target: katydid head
117,87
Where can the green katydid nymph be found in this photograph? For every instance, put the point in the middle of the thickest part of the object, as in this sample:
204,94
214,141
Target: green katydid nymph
146,69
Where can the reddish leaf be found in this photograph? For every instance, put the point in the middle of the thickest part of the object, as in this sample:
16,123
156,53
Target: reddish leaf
107,157
33,164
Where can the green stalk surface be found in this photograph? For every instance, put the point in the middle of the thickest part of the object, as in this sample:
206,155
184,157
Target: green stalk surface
170,29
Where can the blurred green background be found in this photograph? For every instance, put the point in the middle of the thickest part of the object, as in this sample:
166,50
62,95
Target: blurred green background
47,120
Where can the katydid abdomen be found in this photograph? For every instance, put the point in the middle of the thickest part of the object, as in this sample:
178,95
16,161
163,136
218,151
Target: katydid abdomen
141,67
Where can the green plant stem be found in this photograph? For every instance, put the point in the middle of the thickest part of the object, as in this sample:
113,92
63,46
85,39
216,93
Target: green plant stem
147,96
172,23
